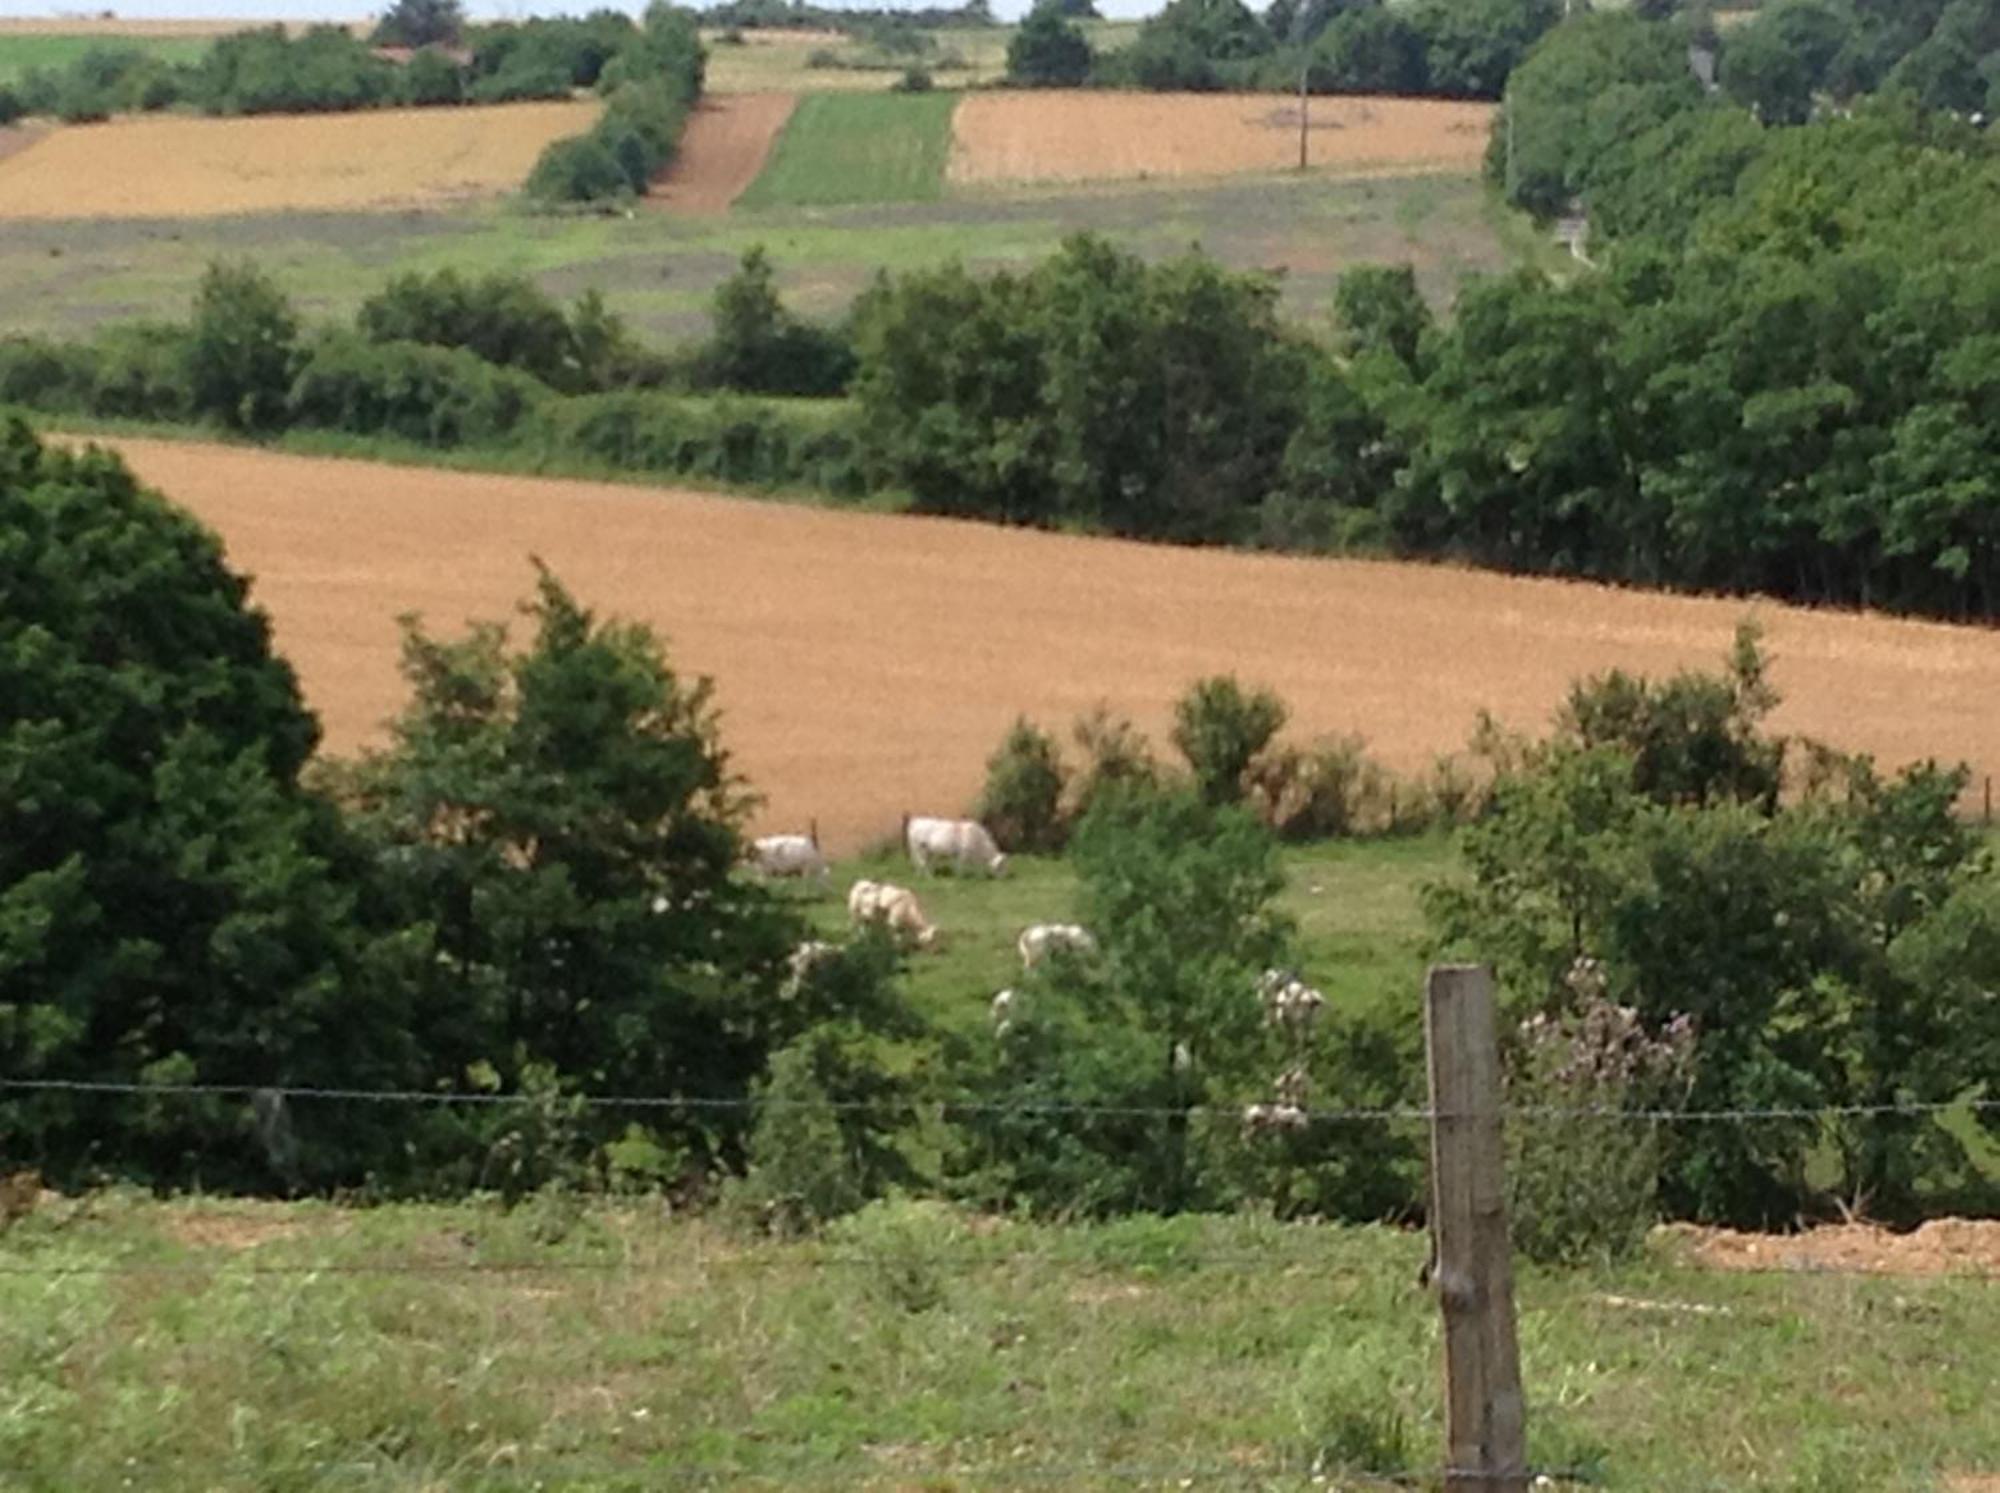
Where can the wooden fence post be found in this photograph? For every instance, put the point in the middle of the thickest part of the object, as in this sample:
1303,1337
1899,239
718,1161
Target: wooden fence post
1471,1268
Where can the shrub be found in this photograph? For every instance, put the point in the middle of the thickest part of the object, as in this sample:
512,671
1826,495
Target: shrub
751,443
908,1245
429,79
504,319
1317,793
580,169
11,105
759,347
37,373
913,80
241,346
141,373
1585,1187
1022,800
1115,755
268,72
436,396
1220,728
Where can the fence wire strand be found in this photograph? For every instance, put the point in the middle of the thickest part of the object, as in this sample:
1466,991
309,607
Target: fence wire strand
739,1102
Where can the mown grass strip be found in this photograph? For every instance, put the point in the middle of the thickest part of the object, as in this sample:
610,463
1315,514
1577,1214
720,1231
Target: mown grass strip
858,147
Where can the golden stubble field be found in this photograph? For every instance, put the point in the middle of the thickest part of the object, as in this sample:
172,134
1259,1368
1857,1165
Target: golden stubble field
867,664
171,167
1067,135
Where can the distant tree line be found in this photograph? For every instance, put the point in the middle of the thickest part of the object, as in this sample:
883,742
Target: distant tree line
1442,48
328,69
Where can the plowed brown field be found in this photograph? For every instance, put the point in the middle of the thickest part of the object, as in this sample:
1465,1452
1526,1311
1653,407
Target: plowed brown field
150,167
1070,136
722,152
867,664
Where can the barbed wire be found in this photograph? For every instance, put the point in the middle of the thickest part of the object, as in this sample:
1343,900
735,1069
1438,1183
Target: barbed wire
741,1102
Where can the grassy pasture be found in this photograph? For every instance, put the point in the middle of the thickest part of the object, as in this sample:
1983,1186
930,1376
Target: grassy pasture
858,148
20,51
609,1347
659,268
1356,905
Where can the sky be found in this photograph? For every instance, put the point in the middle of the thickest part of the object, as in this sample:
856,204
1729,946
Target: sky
354,10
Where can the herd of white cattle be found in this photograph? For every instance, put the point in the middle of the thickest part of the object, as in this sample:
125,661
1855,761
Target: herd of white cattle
964,846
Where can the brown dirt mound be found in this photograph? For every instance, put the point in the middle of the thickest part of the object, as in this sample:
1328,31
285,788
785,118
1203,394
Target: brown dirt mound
1072,136
867,664
160,167
724,148
1944,1246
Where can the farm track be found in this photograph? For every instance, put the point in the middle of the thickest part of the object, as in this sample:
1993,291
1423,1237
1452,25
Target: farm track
724,148
867,664
1072,136
180,167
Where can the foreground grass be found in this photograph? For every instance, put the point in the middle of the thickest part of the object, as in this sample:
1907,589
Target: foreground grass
858,148
275,1347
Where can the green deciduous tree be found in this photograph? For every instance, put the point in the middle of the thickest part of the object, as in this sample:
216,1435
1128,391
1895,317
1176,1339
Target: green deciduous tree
173,906
241,347
420,23
1048,51
562,822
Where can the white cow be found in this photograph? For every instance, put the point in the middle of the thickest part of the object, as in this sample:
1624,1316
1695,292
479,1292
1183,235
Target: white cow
1039,940
1288,1001
962,844
895,908
1003,1011
789,855
809,956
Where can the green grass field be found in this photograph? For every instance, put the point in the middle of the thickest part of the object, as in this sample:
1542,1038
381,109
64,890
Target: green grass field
659,270
858,148
202,1345
19,52
1356,904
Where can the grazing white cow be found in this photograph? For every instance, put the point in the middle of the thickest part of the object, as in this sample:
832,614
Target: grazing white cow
1289,1001
962,844
1039,940
895,908
802,961
789,855
1003,1011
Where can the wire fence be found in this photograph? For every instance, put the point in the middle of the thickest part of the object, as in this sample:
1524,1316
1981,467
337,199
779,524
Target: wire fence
750,1103
496,1262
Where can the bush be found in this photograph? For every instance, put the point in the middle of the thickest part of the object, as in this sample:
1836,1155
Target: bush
1321,793
241,347
1584,1188
1220,729
504,319
580,169
759,347
430,79
1022,800
12,106
914,80
268,72
751,443
1116,755
141,373
39,374
435,396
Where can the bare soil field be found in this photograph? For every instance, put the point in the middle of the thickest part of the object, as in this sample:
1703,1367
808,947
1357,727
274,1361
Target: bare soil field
15,138
866,664
1944,1246
151,167
724,148
1071,136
